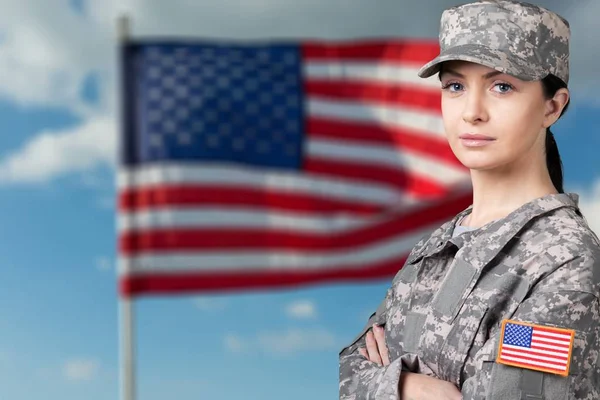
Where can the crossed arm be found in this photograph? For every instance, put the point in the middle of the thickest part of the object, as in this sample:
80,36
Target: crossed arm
566,298
366,372
576,309
412,386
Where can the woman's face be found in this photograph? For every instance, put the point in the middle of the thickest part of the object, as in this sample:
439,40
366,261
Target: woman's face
507,112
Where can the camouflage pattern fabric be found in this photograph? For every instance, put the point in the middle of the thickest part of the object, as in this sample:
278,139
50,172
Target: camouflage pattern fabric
516,38
442,314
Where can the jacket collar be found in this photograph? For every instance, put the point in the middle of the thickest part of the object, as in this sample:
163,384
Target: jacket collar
497,233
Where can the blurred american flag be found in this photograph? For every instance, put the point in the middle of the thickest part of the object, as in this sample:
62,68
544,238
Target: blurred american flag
255,165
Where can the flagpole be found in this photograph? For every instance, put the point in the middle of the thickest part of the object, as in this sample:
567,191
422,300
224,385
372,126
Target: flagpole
127,387
126,304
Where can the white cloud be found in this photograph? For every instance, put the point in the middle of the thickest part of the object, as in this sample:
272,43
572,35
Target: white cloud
296,340
283,343
104,263
234,343
93,181
80,369
585,53
51,154
47,51
209,304
337,19
301,309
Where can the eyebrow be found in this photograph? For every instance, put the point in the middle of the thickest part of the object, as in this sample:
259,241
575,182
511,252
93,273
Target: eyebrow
485,76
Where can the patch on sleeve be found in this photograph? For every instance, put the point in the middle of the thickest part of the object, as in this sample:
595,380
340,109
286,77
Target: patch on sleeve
535,347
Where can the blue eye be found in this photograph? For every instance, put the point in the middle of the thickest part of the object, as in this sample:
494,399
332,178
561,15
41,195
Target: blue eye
452,87
504,87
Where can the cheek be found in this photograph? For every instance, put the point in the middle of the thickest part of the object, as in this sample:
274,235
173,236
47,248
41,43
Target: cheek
518,124
452,116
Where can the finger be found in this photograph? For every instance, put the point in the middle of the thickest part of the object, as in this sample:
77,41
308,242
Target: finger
363,352
380,339
372,348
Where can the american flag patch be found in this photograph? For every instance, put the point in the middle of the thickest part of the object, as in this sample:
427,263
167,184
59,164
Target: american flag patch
536,347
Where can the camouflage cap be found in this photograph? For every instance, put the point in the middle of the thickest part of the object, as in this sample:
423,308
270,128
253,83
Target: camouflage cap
516,38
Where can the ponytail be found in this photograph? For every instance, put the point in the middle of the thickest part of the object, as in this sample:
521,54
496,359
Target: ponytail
553,161
551,85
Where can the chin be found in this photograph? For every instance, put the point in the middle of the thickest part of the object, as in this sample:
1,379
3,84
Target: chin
480,163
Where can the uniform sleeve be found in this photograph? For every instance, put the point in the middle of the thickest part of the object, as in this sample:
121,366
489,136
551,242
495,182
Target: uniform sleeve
361,379
565,300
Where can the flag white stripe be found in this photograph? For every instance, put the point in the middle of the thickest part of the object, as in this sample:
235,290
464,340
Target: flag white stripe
245,178
432,168
369,71
539,339
547,352
539,357
207,217
537,363
430,124
561,336
549,346
265,259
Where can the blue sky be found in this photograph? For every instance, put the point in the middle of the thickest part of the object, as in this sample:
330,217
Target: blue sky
59,318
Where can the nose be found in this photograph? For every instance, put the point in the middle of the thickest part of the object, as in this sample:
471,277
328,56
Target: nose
474,108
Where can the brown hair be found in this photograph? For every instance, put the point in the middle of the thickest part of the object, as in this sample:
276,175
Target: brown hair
551,84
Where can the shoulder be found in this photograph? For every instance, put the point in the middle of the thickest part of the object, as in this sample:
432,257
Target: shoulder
568,244
565,229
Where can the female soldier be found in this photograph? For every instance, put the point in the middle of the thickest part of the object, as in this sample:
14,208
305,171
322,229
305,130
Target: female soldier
479,307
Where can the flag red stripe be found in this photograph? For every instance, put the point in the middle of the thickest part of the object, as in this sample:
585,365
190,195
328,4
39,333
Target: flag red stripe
164,240
440,197
171,239
543,332
550,330
527,365
409,51
198,195
532,354
543,340
392,137
561,348
376,92
525,357
403,180
244,279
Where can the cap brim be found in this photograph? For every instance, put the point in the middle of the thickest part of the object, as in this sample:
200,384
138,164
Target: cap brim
495,59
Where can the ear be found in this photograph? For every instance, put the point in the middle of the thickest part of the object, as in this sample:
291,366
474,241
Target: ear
555,106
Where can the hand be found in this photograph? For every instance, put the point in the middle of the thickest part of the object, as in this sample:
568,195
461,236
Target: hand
412,386
376,350
422,387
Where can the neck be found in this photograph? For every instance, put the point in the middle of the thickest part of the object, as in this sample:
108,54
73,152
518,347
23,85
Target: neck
498,192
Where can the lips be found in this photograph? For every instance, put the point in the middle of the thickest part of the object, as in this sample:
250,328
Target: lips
475,136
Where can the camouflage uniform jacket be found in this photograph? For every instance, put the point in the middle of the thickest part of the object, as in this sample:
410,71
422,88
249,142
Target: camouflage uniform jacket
442,314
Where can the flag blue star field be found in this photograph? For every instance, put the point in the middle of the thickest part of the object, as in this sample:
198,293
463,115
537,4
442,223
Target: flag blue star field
251,165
